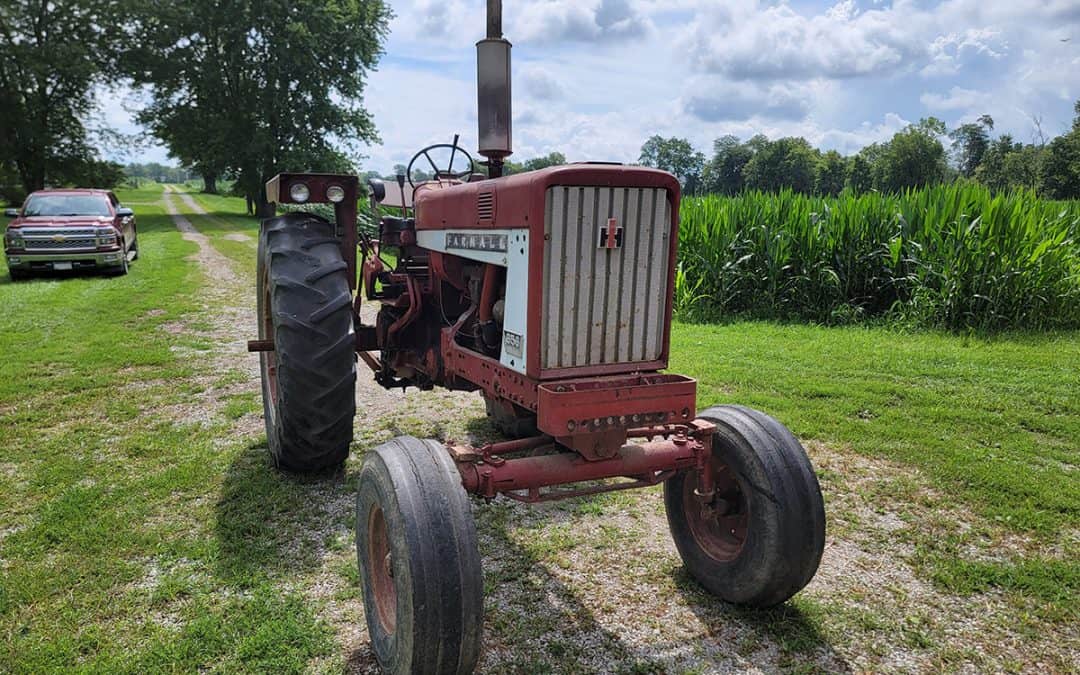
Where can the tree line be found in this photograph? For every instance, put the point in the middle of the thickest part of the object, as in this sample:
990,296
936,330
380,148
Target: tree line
914,157
244,89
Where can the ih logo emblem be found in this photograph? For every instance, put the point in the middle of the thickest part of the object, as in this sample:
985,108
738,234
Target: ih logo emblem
611,235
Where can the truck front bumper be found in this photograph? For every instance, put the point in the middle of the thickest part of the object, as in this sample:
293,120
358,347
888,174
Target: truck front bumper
44,262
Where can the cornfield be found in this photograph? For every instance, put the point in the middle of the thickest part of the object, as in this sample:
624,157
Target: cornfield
951,256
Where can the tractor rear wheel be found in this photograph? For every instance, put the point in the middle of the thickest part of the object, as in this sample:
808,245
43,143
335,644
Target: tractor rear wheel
510,419
309,379
760,540
418,557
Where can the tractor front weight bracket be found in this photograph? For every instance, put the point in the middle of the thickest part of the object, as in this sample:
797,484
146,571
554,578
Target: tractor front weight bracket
521,469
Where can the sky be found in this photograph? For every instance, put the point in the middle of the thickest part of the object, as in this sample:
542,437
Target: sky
594,79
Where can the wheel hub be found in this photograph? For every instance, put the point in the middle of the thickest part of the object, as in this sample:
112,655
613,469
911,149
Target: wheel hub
719,525
382,571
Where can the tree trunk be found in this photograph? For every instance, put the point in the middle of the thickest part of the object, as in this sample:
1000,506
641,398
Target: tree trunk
263,208
210,183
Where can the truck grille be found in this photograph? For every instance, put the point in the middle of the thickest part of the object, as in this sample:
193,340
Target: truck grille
59,240
604,305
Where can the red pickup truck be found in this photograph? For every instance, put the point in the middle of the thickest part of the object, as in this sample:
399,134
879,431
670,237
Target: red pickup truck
70,230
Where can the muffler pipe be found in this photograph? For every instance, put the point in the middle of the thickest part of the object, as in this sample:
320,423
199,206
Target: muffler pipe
493,92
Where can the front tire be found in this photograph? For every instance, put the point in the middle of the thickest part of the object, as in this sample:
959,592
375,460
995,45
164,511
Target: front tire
761,539
121,269
305,307
419,562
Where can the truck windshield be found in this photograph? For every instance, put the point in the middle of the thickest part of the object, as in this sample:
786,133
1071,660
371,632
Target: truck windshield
66,205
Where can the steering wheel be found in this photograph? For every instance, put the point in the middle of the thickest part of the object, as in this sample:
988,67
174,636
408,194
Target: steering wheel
448,172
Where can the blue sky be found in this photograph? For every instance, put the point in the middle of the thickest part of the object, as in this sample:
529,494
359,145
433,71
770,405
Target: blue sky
594,78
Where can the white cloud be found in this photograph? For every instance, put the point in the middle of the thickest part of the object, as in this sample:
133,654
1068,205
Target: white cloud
540,84
958,98
549,21
777,42
947,51
715,100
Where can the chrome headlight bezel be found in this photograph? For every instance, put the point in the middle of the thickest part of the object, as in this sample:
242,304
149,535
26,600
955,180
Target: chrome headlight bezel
335,194
299,193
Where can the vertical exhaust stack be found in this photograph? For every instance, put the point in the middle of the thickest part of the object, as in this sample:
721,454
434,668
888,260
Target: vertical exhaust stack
493,91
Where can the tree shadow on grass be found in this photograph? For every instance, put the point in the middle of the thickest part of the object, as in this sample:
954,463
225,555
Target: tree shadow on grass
270,522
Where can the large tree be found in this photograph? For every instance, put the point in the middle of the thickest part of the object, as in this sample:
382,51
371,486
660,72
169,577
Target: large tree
55,56
676,156
970,143
258,86
783,163
1059,171
724,172
913,158
830,174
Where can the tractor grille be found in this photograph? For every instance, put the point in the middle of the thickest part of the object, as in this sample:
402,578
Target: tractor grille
55,239
604,305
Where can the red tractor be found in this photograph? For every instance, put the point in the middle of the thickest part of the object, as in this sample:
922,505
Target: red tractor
550,293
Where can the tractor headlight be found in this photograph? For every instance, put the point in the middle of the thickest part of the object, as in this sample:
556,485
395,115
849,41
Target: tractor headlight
106,237
299,192
335,193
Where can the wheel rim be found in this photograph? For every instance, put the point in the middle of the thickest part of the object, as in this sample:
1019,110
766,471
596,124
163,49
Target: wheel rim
381,571
719,528
269,359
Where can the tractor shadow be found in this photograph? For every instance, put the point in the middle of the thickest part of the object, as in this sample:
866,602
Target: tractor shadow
546,614
272,523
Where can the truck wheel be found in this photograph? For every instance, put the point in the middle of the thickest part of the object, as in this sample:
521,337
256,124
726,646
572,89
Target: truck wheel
761,539
135,247
309,380
121,269
419,563
509,419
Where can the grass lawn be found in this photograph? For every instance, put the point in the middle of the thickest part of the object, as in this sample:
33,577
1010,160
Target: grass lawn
142,528
992,423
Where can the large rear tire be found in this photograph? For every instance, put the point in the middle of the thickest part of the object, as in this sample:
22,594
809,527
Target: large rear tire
309,380
419,562
761,540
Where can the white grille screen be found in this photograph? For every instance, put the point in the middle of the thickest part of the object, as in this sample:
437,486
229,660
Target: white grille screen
604,305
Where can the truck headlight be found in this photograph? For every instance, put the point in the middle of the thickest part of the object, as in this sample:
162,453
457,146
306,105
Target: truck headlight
299,192
15,240
335,193
107,237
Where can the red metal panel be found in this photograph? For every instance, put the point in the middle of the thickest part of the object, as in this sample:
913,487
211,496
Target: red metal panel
600,404
278,192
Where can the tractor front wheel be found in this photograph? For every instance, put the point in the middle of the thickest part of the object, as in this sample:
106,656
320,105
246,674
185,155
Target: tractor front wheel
419,562
309,379
759,540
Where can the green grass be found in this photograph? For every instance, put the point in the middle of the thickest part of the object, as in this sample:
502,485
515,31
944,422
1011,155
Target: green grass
995,421
994,424
99,488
